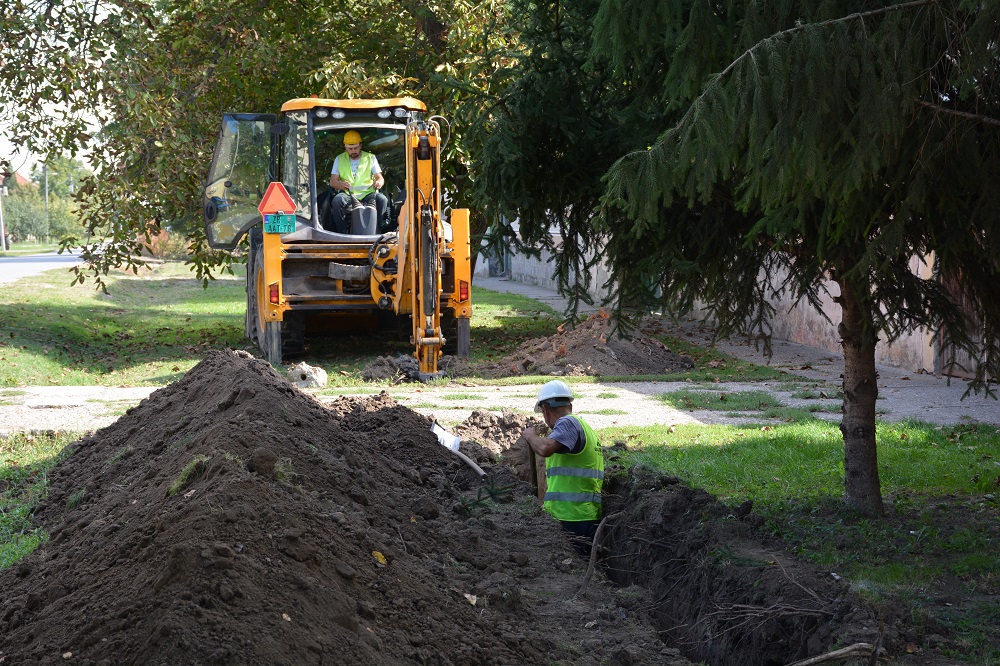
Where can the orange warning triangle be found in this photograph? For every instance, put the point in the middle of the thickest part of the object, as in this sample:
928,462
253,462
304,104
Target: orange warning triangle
276,200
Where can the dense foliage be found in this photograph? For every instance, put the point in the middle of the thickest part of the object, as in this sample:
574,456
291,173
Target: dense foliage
141,87
820,145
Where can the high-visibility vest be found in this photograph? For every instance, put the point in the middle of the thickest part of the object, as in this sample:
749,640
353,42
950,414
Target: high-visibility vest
574,480
364,177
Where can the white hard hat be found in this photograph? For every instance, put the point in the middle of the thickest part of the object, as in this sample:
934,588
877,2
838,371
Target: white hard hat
556,393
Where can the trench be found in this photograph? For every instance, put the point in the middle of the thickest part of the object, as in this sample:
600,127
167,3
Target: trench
716,585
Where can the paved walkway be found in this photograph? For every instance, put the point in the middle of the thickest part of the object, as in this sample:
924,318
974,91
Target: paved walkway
902,394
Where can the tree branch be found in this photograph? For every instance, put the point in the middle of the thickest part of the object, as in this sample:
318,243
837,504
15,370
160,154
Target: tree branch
856,650
961,114
843,19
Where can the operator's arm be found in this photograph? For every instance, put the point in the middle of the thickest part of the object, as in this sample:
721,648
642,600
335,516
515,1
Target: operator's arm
543,446
338,184
377,180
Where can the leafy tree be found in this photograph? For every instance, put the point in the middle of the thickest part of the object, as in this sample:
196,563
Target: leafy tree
557,123
800,141
64,175
142,86
24,212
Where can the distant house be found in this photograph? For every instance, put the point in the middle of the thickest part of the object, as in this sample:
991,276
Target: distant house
24,182
20,180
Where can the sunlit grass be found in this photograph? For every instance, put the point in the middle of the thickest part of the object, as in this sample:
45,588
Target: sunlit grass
24,464
940,485
146,330
736,401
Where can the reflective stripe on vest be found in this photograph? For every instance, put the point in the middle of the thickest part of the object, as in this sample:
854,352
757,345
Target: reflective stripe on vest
364,177
574,480
575,471
572,497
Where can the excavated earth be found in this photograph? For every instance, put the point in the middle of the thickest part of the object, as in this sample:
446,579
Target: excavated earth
591,348
230,518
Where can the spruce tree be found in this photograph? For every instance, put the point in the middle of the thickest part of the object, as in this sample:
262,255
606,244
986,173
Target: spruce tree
817,140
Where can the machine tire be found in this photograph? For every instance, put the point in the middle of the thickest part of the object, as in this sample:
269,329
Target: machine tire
458,336
253,262
464,338
272,342
293,334
277,339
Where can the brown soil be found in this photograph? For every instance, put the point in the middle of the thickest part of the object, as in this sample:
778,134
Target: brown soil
232,519
300,535
591,348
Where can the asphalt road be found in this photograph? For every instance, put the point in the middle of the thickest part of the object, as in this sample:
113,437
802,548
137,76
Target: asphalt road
15,268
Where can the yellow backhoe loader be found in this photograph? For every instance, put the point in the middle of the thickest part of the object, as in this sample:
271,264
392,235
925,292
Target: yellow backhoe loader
310,271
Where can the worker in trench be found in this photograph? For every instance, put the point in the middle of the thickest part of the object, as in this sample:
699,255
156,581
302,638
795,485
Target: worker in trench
574,463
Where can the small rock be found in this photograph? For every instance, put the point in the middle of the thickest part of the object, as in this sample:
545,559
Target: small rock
304,375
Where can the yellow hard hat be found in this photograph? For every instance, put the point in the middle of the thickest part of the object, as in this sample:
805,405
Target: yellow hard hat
352,138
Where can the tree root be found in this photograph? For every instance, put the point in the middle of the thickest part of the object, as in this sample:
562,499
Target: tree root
856,650
593,550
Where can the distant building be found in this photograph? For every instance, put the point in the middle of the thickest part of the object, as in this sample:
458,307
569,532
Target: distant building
24,182
17,178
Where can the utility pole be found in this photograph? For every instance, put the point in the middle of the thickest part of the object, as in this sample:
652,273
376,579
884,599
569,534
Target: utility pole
3,229
45,170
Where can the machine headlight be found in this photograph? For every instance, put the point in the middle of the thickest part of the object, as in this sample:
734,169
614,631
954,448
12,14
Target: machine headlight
384,113
322,113
338,114
401,113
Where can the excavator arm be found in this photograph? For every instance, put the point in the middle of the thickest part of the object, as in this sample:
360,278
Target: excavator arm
424,239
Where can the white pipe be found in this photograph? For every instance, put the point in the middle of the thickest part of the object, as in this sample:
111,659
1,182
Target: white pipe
470,462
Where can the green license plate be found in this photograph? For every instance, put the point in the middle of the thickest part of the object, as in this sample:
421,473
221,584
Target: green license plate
279,224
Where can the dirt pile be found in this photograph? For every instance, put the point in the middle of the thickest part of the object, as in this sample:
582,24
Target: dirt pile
590,348
497,438
232,519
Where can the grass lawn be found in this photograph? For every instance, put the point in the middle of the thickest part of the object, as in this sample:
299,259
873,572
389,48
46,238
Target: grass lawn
936,550
22,249
147,330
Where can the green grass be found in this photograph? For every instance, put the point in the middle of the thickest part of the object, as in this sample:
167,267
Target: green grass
21,249
941,486
501,322
713,366
461,396
737,401
191,473
146,331
24,464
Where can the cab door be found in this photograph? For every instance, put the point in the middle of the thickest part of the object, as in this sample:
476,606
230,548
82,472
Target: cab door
242,167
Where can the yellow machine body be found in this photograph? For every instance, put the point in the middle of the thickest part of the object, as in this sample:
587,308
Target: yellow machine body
405,265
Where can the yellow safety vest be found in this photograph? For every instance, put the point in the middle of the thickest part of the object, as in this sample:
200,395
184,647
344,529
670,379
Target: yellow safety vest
574,480
364,177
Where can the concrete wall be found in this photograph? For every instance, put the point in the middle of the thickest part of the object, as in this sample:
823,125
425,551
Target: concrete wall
538,272
801,323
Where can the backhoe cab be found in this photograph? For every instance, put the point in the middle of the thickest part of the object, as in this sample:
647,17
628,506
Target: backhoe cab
410,268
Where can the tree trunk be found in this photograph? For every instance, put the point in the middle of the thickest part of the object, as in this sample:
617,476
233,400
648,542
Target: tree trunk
862,489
